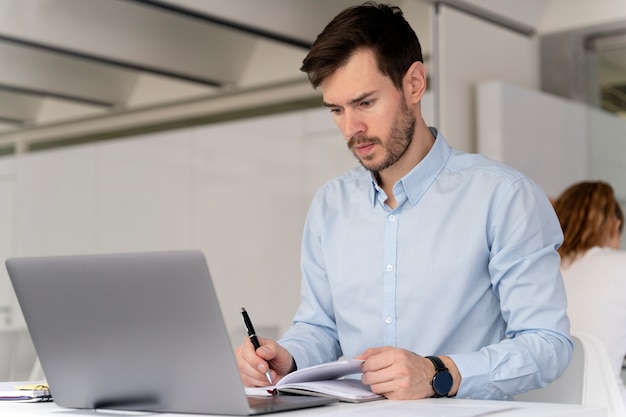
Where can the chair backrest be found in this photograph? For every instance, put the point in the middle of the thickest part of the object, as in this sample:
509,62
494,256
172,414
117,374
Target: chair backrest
588,380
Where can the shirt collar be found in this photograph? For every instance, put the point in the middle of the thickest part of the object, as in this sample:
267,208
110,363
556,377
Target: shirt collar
415,183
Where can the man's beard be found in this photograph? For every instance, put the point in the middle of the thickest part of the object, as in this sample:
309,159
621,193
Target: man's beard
400,138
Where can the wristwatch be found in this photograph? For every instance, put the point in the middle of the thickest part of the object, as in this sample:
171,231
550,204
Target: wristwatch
442,381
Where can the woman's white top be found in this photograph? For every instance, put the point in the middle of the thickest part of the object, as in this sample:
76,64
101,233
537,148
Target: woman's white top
596,294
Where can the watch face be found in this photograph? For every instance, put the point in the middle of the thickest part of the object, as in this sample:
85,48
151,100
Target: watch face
442,383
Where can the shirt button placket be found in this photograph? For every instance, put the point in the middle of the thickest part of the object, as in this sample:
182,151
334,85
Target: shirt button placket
389,284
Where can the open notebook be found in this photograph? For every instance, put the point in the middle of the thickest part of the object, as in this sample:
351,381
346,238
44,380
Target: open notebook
140,331
327,379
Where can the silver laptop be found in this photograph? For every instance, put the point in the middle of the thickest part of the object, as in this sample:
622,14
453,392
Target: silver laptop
140,331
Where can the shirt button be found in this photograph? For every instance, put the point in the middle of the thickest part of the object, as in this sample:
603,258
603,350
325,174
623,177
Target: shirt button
392,218
388,320
389,268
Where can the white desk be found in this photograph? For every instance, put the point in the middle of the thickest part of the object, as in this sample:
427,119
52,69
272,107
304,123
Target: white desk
439,407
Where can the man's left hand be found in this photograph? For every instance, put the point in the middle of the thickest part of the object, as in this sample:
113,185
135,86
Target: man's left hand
399,374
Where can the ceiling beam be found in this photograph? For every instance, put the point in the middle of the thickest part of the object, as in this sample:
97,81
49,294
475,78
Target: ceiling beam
46,93
108,61
488,16
207,18
205,108
12,121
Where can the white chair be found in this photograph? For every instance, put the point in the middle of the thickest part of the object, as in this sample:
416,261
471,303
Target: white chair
588,380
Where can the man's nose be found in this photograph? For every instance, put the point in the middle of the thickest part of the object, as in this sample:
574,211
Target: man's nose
352,125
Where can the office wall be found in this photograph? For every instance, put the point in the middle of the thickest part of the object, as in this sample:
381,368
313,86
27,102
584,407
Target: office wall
607,146
553,140
542,135
471,50
237,191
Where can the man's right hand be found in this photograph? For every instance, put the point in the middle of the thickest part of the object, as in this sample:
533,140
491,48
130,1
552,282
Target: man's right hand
254,364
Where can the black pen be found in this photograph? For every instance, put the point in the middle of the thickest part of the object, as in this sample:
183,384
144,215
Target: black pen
253,338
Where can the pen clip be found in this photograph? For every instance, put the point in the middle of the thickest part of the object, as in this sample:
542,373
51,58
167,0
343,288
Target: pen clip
248,323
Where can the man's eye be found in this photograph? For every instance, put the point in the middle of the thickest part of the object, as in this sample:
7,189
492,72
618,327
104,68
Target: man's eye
366,103
335,110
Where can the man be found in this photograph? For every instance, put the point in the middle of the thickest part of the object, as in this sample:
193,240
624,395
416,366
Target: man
436,267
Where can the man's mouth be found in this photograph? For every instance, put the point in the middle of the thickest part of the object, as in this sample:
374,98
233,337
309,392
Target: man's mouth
363,149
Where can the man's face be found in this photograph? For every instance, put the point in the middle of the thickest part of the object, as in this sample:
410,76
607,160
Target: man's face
370,112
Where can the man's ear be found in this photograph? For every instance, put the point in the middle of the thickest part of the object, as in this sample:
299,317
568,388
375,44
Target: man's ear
415,82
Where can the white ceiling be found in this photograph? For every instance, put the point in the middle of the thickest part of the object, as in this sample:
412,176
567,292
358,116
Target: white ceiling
68,59
64,61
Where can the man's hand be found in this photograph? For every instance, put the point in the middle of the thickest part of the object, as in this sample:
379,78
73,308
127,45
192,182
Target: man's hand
399,374
254,364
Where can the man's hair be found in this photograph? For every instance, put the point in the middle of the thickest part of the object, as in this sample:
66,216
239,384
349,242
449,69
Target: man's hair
586,210
378,27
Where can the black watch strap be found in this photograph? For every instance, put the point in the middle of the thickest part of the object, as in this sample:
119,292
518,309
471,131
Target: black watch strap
439,366
442,381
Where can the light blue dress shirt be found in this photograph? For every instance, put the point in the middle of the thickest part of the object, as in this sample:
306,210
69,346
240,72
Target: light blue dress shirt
465,266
